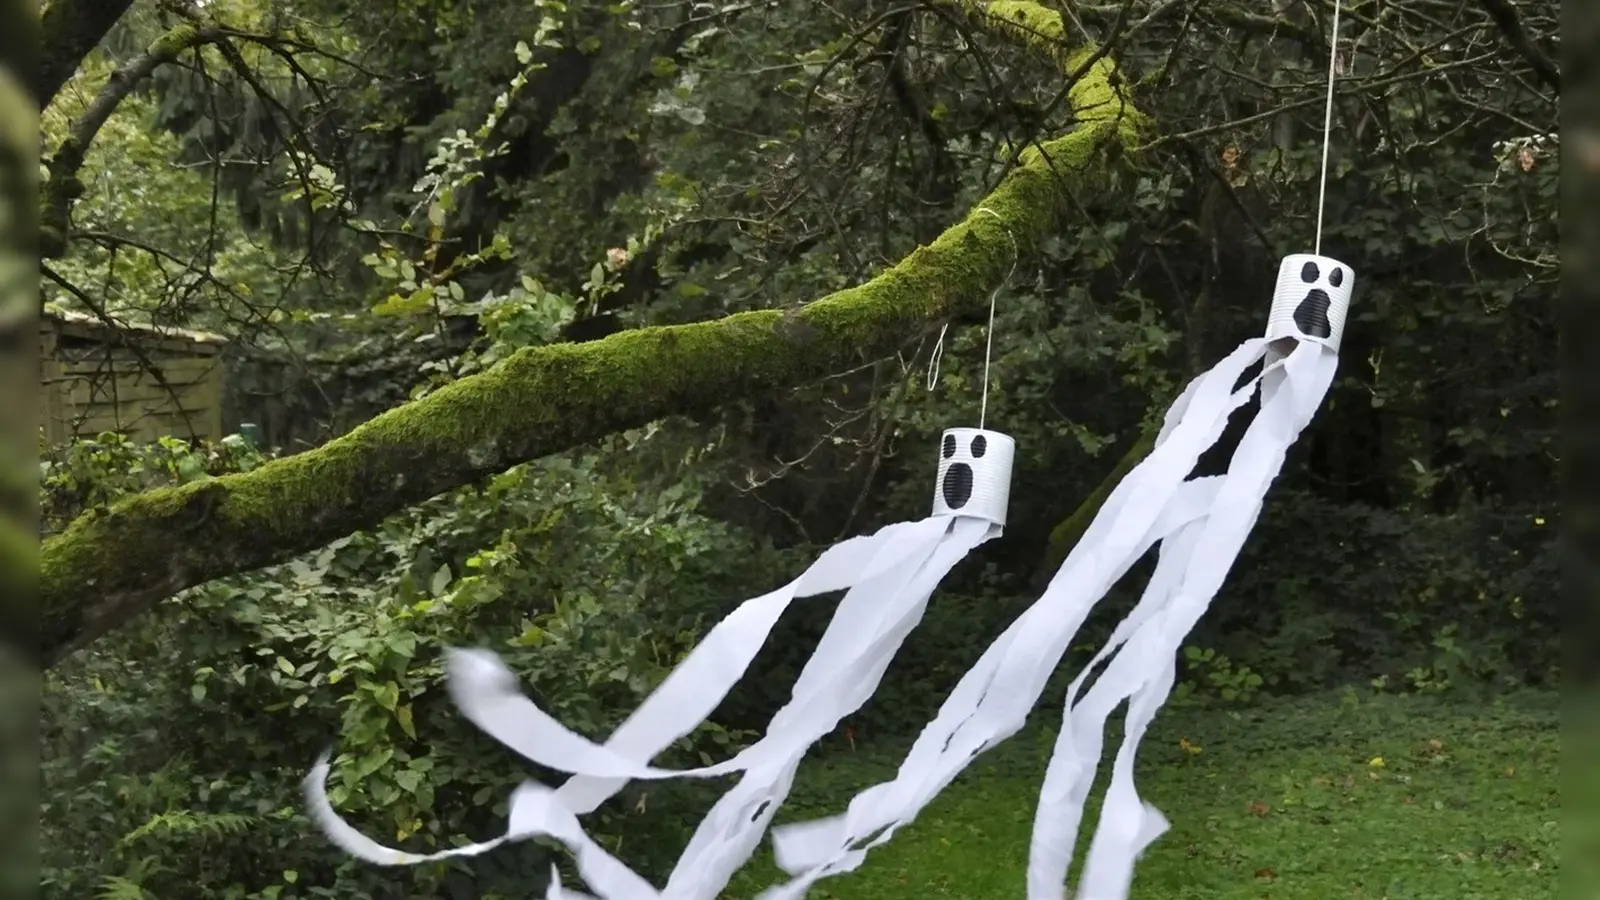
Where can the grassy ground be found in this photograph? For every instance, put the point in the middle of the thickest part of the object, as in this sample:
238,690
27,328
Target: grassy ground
1322,798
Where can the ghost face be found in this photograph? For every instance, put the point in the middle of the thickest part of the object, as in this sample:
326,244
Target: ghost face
974,477
1311,316
1311,300
956,485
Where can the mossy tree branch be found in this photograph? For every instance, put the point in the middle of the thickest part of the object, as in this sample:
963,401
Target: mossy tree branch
111,565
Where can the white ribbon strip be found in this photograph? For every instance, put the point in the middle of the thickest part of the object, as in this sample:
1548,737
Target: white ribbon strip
819,848
1292,392
729,835
703,679
890,578
486,691
993,699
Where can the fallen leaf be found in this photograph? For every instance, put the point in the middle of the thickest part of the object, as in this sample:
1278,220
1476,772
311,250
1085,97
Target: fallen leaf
1266,874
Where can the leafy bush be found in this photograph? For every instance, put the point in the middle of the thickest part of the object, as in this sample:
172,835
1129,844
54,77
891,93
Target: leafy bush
592,584
90,473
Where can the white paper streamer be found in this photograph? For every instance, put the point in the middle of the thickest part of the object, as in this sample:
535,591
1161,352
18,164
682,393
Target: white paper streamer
889,578
1292,391
818,849
730,834
992,701
693,689
1198,548
1291,394
486,691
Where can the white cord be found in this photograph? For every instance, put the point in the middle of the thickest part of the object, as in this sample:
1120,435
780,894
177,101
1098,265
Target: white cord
933,359
988,345
988,338
1327,124
988,350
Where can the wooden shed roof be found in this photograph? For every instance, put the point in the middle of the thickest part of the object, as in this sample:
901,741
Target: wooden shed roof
77,324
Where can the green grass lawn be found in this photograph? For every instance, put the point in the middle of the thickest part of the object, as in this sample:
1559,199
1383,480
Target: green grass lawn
1318,798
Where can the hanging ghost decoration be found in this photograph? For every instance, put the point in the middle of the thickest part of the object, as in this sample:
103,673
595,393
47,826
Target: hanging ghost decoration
1200,525
888,578
1306,324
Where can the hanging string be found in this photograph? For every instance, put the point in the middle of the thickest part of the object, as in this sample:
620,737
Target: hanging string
988,341
1327,124
936,356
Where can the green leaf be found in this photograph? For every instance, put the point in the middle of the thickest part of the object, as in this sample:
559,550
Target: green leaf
441,580
372,762
402,714
388,696
524,53
408,780
285,666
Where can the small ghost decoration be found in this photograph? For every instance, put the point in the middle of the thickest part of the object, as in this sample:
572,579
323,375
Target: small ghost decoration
974,474
1311,299
1199,525
888,578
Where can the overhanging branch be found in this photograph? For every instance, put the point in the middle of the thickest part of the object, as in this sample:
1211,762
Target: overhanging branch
65,163
109,566
1504,14
68,30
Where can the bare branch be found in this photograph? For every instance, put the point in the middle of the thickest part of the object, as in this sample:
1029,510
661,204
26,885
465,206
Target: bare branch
64,185
1505,17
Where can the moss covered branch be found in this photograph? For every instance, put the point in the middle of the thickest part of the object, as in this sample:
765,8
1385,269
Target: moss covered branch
109,566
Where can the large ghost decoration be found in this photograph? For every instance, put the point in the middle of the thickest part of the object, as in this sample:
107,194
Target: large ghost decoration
1199,524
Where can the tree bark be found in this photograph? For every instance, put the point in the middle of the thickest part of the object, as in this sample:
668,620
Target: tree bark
111,565
68,30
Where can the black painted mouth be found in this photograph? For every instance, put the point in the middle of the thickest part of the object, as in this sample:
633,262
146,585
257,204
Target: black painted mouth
1311,316
957,485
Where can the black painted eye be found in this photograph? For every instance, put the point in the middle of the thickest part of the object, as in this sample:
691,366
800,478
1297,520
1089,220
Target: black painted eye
980,446
1309,273
1336,277
949,446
